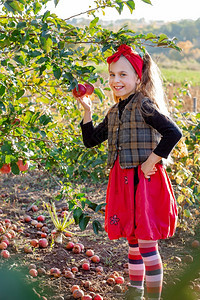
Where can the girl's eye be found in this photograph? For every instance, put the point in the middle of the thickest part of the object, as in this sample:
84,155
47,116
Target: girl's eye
112,75
123,74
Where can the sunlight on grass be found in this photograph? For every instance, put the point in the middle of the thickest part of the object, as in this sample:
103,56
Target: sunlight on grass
181,76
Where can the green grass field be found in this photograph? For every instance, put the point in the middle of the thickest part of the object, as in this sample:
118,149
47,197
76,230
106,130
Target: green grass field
181,76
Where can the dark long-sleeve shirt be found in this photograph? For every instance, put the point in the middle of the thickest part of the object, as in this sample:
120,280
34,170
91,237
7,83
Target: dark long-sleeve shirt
170,132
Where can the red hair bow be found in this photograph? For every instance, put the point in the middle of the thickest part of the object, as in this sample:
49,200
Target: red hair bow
135,60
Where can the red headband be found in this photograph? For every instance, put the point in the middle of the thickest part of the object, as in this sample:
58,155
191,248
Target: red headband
135,60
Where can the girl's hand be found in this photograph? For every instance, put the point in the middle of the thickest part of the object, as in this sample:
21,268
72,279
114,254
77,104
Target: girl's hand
148,169
86,103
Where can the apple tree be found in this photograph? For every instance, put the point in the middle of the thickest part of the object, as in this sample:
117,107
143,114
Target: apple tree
43,58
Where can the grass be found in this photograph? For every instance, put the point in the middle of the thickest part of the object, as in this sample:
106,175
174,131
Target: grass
181,75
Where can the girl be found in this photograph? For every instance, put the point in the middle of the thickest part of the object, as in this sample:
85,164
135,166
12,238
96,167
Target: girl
140,202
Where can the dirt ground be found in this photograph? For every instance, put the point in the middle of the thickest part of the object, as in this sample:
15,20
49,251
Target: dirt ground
19,193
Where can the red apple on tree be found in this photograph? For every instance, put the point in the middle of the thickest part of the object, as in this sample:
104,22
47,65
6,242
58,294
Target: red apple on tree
89,88
22,167
5,169
80,92
16,121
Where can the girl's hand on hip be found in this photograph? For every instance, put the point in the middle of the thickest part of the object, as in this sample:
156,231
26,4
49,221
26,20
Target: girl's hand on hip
148,169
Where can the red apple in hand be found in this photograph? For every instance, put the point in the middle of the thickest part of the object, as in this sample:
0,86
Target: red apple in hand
22,166
5,169
89,88
80,92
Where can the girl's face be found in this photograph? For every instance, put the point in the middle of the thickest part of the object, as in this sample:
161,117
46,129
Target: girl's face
123,79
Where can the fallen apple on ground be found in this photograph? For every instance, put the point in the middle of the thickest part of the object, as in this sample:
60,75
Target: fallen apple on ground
41,218
75,287
86,266
5,254
70,246
33,272
119,280
43,243
89,252
78,294
95,259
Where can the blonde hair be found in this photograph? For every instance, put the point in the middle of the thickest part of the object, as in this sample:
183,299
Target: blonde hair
151,85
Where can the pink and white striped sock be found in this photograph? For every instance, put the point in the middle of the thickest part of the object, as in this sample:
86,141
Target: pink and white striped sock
153,267
136,265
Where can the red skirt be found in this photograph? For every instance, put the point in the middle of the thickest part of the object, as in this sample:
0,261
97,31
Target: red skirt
147,211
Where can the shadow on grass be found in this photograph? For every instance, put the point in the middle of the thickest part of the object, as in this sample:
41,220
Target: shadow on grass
182,289
14,286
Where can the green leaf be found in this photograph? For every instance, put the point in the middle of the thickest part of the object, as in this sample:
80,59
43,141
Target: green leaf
46,44
57,72
16,6
131,5
94,22
77,214
42,133
147,1
162,37
6,148
96,226
2,90
99,206
46,15
14,168
99,92
121,5
36,7
19,94
91,205
21,25
56,2
19,59
84,219
44,119
36,53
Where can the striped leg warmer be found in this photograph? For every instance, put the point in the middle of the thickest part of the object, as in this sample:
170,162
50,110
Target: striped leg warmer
153,267
136,265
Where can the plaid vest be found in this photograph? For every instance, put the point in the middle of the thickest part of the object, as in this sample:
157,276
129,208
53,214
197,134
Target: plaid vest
130,136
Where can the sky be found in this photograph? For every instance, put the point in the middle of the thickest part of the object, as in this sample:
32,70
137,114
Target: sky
165,10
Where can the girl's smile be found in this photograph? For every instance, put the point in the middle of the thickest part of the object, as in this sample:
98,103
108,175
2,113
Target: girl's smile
123,78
